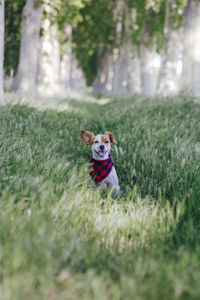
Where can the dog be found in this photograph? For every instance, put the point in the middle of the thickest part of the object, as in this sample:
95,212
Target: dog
102,168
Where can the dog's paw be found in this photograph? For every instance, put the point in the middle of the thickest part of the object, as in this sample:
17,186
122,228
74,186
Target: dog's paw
117,190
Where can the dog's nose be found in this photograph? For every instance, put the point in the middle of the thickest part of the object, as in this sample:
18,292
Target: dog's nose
102,147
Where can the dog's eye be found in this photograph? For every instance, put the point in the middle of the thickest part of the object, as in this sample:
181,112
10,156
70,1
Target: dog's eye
96,142
106,142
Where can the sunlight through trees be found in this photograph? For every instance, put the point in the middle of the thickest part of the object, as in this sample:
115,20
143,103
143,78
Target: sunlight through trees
114,47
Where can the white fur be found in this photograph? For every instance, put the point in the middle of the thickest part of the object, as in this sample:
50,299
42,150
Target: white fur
95,148
111,180
102,153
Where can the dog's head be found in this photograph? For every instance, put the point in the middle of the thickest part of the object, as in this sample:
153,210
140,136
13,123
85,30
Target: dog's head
100,144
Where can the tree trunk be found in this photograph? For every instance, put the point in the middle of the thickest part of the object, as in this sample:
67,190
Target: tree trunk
126,79
119,73
77,79
168,82
65,70
25,81
168,77
120,78
103,83
1,48
49,59
71,75
190,80
65,64
148,83
134,72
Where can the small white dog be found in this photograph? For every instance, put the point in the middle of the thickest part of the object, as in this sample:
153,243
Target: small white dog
102,167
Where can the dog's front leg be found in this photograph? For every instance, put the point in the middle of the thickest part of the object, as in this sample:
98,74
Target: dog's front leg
104,186
117,190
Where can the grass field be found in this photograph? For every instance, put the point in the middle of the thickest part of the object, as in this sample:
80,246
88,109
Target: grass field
62,239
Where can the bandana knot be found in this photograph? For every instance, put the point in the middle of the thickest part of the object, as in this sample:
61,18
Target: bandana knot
101,168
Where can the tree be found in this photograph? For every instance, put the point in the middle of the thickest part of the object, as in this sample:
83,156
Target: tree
109,37
1,48
190,80
49,53
126,79
168,78
60,17
150,20
94,35
13,20
25,81
110,58
103,83
147,52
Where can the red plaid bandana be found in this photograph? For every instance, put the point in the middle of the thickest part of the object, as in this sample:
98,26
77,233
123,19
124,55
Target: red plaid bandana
101,168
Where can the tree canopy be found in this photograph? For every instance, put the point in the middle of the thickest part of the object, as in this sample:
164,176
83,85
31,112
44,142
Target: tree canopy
95,26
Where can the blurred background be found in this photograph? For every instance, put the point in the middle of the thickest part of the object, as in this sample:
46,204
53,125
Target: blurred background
112,47
129,67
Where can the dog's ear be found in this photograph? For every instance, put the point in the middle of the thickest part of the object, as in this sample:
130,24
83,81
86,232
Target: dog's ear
111,137
88,137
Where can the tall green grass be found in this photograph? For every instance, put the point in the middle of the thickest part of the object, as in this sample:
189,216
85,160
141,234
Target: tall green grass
63,239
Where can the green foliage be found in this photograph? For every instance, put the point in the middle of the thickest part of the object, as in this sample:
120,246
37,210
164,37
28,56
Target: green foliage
177,13
13,24
67,11
13,16
150,20
93,35
94,27
64,13
38,3
96,32
62,239
155,21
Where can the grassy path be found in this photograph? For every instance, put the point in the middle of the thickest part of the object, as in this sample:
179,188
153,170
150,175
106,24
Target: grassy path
60,239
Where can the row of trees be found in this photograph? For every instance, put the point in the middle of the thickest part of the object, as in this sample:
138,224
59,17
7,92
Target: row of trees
1,48
115,46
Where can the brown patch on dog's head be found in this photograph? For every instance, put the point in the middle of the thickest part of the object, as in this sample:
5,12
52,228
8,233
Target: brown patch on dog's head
88,137
105,138
111,137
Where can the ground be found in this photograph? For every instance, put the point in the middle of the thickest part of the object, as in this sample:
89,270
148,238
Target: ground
63,239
